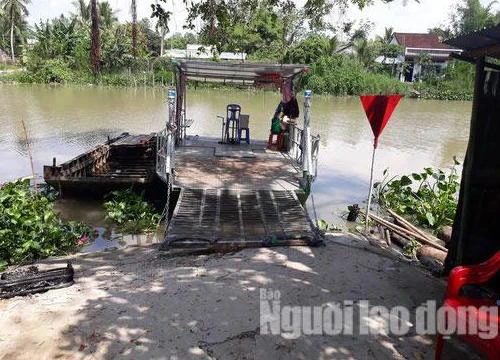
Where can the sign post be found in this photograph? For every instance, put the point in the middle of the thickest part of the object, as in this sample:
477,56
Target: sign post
378,109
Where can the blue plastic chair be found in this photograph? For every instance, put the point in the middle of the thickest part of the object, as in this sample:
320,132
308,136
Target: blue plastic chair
244,120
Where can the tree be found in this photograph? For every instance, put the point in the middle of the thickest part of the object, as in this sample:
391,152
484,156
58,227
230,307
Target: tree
107,15
388,35
364,51
133,9
442,32
229,24
15,11
162,27
470,16
311,49
95,39
56,39
180,41
82,11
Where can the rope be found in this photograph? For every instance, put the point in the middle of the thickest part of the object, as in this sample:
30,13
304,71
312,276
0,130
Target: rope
166,210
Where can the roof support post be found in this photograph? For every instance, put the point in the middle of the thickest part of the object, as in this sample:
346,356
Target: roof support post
171,130
463,217
306,141
180,85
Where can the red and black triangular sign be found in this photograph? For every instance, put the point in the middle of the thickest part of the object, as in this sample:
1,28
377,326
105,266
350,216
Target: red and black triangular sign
378,109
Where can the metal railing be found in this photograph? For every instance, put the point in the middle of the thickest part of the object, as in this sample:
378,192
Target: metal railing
161,154
296,146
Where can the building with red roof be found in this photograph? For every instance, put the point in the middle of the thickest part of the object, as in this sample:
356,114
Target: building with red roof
415,45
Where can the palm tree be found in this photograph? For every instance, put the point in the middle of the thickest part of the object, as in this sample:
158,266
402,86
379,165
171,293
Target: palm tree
162,28
82,11
388,35
15,11
134,28
96,38
364,51
333,45
107,14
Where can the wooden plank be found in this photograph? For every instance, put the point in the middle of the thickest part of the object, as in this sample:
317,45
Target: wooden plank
133,140
215,217
198,167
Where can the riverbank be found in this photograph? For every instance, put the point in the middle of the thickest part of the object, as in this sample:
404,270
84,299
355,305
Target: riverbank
138,303
148,79
333,83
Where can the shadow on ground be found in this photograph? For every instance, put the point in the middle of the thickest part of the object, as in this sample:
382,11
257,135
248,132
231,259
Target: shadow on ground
135,303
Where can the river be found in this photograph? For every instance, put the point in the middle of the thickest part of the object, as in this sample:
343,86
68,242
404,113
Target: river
64,121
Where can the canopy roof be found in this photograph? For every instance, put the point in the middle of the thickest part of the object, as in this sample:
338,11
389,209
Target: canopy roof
485,42
237,71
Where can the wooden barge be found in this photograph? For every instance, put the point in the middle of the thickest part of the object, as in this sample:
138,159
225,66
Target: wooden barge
127,161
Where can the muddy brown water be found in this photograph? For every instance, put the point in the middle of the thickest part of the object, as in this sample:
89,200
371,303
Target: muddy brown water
65,121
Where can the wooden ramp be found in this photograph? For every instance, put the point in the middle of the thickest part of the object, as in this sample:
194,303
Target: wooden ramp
238,218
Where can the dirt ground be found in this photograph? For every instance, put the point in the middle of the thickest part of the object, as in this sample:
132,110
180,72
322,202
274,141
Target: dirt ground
136,303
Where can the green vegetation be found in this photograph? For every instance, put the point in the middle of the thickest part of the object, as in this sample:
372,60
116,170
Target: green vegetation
13,22
30,229
61,49
456,84
428,198
324,225
131,212
342,75
411,248
91,47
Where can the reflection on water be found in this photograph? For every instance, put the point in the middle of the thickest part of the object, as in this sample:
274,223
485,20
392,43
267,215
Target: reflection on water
91,212
64,121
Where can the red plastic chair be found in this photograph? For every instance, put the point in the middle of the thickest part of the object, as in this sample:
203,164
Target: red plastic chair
466,275
277,145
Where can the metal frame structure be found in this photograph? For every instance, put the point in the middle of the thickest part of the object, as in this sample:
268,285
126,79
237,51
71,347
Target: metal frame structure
237,73
303,147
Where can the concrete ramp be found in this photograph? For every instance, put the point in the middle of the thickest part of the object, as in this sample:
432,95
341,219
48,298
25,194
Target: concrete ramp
206,218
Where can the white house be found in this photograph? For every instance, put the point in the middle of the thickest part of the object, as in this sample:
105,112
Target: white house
417,44
204,52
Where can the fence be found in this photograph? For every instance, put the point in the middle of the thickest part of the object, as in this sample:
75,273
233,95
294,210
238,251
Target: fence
295,146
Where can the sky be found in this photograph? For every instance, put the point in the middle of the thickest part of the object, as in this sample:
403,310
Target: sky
402,15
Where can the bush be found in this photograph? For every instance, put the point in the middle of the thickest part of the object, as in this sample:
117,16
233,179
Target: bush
22,77
30,228
429,197
444,90
130,212
457,83
55,71
45,72
344,75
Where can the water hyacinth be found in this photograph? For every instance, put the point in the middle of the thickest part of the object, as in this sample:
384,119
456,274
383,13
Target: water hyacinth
30,228
429,198
130,212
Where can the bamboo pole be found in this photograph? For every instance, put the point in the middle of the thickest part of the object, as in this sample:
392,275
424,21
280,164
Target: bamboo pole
29,153
388,237
410,226
370,191
406,232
